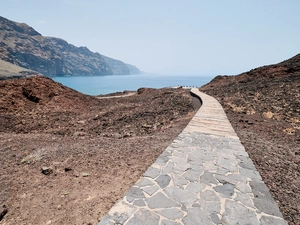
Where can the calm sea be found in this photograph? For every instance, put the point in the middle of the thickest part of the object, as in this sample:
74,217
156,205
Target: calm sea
95,85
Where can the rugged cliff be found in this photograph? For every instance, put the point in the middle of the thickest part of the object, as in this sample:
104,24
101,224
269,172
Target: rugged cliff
21,45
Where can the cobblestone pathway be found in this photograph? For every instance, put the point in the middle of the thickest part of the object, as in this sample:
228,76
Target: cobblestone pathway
204,177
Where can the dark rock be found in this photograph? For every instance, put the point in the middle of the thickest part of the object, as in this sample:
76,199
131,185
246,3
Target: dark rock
67,169
3,212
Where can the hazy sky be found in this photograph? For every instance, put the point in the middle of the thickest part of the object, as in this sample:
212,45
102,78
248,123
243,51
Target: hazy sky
205,37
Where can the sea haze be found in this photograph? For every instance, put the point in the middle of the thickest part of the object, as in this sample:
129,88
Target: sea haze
95,85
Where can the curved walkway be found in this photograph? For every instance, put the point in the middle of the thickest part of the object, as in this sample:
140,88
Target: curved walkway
204,177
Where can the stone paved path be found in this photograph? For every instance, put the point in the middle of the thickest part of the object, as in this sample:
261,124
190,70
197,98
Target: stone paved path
204,177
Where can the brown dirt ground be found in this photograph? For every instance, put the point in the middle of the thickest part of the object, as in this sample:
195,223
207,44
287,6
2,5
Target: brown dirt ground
94,149
263,106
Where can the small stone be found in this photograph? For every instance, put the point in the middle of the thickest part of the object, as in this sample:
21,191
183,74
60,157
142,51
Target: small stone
79,133
65,193
46,170
85,174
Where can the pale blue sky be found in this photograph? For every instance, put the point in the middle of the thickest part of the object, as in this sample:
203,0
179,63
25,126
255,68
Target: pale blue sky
205,37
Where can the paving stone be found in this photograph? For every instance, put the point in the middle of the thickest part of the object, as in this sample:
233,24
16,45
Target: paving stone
268,220
225,179
227,164
238,177
159,200
180,195
195,187
236,213
179,180
119,219
209,195
210,166
150,190
247,165
214,217
193,175
151,172
163,180
184,208
129,199
144,217
244,199
168,168
210,206
144,182
162,160
222,171
168,222
195,205
208,176
253,175
105,221
171,214
181,167
263,199
135,192
197,216
139,202
243,187
225,189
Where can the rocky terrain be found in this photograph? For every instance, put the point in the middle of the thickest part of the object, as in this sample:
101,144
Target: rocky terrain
263,106
67,157
21,45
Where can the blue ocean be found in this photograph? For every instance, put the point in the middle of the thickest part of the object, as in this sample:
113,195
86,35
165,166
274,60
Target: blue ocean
95,85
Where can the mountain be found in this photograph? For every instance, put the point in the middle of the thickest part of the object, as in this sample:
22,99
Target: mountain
21,45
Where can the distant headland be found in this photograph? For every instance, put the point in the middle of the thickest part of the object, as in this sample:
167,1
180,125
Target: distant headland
21,45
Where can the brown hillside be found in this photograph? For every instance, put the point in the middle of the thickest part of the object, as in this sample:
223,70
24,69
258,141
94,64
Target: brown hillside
92,149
